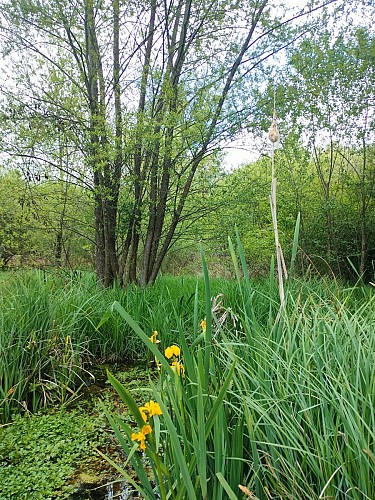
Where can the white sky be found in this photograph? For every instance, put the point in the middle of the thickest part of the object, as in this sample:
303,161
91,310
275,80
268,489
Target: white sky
240,152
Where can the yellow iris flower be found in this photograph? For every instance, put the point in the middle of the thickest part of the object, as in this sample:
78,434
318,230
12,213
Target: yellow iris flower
143,414
151,408
153,338
172,350
178,368
141,436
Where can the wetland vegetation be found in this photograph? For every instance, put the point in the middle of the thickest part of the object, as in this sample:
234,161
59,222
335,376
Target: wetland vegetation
139,357
281,407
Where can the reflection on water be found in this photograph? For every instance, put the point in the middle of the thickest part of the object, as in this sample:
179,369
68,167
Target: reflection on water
111,491
118,491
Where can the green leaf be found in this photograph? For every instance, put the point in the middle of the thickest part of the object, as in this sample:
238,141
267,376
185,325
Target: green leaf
228,489
141,334
177,450
295,244
219,400
127,398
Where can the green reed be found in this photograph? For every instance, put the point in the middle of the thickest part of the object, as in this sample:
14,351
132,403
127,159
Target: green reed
282,404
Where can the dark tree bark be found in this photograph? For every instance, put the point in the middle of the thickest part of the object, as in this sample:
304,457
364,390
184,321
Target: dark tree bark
128,271
106,174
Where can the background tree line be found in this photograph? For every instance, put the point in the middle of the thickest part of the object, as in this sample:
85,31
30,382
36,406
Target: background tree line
114,115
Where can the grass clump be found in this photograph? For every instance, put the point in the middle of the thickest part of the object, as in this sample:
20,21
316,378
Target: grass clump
279,401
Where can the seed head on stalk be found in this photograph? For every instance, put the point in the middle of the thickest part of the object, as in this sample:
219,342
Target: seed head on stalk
273,133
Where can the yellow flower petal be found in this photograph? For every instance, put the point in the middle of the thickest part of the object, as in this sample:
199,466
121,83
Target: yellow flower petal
176,350
153,338
142,412
152,408
172,350
146,429
168,352
178,368
137,436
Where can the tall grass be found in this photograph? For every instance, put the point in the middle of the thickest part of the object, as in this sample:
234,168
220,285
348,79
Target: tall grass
285,408
309,398
49,331
308,388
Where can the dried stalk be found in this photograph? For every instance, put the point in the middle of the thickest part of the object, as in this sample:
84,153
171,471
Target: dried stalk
282,273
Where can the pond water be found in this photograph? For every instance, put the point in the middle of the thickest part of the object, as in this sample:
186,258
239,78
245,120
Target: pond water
111,491
119,491
96,486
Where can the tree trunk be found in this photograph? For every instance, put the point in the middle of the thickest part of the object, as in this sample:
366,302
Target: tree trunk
138,156
106,175
363,259
58,247
156,248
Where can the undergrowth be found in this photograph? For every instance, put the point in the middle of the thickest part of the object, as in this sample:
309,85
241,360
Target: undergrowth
38,454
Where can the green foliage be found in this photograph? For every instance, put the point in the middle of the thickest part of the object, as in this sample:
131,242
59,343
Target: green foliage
41,363
42,309
194,84
172,142
242,198
16,236
308,393
284,407
335,115
38,454
191,446
38,216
